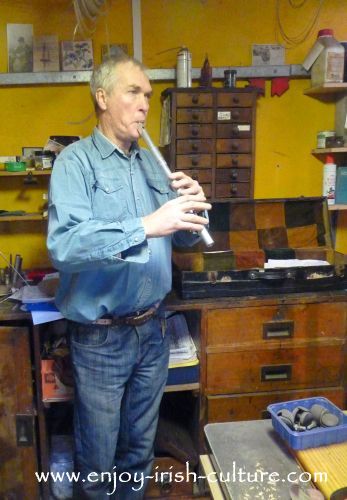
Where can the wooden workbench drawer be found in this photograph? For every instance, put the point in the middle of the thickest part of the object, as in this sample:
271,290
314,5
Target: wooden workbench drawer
283,322
226,130
233,160
188,100
186,115
186,130
233,190
233,175
278,368
186,146
235,99
193,161
234,115
254,406
233,145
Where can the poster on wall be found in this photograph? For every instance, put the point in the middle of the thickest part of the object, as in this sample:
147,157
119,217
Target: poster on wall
267,54
46,53
20,48
77,56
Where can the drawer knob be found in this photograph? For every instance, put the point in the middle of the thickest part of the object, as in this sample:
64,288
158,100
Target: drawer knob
195,177
235,146
195,162
195,147
235,130
234,161
195,116
236,100
234,175
195,99
233,190
195,132
235,115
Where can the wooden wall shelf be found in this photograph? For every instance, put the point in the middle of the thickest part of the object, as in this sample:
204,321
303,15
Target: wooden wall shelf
327,88
34,173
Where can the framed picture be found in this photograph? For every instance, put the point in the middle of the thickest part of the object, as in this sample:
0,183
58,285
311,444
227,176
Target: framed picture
28,152
46,53
267,55
113,50
20,48
77,56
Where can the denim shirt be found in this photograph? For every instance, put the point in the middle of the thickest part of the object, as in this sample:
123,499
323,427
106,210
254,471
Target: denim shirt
96,238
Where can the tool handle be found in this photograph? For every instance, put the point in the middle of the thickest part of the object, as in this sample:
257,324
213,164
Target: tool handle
205,235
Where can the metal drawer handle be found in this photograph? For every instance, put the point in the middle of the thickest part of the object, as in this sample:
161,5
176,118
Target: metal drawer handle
234,176
278,330
273,373
233,189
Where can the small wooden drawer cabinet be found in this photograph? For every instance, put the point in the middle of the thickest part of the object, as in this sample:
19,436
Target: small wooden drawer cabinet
212,138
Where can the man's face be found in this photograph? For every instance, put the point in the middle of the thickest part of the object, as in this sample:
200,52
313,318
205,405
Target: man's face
126,105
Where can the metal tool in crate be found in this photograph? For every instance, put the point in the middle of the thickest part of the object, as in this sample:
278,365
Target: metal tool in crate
247,234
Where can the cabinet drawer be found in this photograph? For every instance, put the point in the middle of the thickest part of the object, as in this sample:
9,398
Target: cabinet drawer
194,146
185,115
203,175
188,100
189,161
299,321
282,368
236,115
199,131
233,175
235,190
254,406
233,145
241,130
233,160
235,99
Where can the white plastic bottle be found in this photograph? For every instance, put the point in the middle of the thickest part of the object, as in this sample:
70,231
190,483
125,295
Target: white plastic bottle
329,65
329,179
184,68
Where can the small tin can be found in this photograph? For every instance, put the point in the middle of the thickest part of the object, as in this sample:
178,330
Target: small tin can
184,68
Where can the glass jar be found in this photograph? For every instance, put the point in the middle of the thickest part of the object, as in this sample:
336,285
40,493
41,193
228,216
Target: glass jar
44,160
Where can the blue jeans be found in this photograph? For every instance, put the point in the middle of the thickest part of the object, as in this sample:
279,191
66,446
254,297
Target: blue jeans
120,374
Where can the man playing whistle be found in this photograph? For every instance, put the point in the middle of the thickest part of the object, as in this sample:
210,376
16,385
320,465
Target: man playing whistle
113,216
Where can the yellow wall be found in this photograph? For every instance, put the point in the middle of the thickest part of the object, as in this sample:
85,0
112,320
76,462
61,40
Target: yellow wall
225,30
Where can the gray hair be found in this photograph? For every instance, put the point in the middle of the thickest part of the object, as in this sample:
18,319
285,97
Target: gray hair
105,75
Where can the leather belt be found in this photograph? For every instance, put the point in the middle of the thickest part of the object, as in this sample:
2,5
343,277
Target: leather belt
136,319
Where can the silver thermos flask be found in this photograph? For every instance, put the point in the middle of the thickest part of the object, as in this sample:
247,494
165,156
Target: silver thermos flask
184,68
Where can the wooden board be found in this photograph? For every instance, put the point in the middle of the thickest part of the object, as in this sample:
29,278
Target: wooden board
331,460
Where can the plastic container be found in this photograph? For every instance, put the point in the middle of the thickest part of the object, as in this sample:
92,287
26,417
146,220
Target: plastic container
329,65
44,160
320,436
329,180
61,461
15,166
184,68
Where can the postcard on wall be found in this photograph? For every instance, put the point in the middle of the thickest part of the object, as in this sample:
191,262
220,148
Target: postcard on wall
77,56
20,48
267,55
113,50
46,53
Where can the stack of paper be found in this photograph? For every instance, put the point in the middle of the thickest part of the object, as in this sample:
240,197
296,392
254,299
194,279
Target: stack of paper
182,347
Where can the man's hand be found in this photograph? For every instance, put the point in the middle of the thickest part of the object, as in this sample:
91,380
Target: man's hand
179,214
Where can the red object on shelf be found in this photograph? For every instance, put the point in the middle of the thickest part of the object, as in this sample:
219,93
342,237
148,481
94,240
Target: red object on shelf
279,85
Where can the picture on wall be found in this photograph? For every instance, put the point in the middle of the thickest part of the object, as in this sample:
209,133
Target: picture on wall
20,48
77,56
46,53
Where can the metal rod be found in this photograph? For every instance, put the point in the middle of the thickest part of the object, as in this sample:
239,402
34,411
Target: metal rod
205,235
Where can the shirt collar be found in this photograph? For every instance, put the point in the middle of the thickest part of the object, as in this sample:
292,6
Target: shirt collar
106,147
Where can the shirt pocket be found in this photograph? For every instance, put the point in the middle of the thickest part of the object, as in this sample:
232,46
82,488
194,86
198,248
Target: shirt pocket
160,189
110,200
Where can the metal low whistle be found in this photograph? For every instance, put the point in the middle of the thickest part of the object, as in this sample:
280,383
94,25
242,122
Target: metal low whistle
205,235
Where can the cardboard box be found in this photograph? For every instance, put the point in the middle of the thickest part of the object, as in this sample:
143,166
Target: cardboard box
53,388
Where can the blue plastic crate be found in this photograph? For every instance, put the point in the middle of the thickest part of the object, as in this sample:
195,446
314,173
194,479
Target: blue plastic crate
320,436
